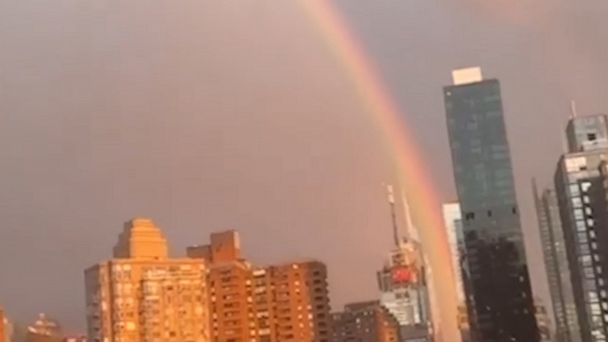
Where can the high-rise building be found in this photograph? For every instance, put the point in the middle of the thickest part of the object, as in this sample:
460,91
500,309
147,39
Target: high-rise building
142,294
499,296
230,288
288,302
587,133
301,303
582,202
453,223
403,282
364,322
556,265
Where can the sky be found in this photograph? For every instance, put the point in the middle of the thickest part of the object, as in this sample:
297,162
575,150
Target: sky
206,115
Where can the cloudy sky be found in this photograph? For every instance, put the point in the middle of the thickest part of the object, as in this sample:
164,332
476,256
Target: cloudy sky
205,115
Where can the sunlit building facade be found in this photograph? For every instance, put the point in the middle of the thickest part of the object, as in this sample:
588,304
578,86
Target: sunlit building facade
6,328
288,302
230,288
302,307
497,286
3,323
143,295
453,224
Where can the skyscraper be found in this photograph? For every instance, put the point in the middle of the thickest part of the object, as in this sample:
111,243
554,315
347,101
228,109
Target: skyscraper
143,295
403,284
287,302
498,288
453,224
556,265
301,303
230,288
581,193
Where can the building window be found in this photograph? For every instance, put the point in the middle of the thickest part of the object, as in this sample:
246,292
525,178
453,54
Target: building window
574,190
585,186
580,226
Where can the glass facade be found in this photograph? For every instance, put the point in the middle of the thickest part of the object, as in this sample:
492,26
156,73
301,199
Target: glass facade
556,265
496,276
581,190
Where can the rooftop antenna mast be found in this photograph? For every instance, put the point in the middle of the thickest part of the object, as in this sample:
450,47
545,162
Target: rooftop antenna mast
412,232
391,202
573,115
573,111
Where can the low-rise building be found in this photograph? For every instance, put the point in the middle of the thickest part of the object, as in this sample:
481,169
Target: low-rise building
364,322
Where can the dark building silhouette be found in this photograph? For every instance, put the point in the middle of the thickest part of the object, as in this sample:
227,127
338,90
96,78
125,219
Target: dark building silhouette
497,284
364,322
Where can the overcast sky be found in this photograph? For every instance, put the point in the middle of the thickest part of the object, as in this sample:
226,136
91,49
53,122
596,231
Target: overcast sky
206,115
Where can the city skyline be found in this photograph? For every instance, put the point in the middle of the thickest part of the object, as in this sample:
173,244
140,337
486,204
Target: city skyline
66,189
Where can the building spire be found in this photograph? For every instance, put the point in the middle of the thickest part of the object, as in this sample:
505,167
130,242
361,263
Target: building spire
573,111
391,203
411,231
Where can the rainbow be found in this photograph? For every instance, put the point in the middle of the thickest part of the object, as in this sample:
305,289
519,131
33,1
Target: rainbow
416,180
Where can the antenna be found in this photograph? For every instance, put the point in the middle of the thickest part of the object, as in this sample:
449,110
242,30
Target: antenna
391,202
411,230
573,112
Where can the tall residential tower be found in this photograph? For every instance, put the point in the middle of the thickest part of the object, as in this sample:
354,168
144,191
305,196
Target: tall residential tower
281,303
499,295
143,295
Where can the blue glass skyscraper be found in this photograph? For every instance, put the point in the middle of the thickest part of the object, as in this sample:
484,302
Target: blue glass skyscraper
497,285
